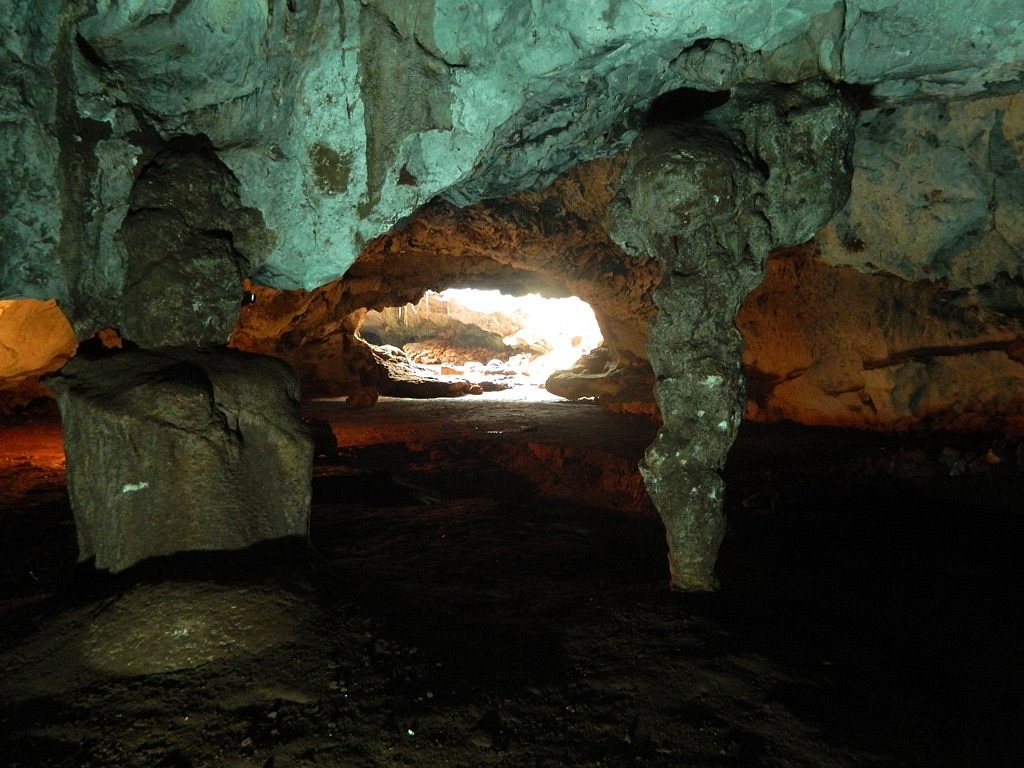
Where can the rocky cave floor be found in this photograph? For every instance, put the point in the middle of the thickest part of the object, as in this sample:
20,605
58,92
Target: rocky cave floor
473,594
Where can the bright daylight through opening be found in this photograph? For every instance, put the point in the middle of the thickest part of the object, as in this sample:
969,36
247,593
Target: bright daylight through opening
488,336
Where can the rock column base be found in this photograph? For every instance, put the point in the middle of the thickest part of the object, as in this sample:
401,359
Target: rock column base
182,450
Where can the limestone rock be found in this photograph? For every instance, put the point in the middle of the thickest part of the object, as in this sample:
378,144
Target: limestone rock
937,193
599,375
339,119
35,338
445,323
710,199
30,177
937,48
359,133
188,243
399,376
182,450
832,346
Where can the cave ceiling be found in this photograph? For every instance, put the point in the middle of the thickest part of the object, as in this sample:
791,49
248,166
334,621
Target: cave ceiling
337,120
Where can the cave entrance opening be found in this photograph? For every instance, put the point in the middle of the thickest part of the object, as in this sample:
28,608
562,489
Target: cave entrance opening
494,340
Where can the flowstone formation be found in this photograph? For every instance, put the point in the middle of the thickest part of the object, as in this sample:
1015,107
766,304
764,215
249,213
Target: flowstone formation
182,450
710,200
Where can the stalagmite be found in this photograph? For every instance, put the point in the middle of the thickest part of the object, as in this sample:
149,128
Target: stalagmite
709,200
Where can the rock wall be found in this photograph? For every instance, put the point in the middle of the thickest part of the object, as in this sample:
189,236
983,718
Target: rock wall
35,339
833,346
938,194
906,310
896,318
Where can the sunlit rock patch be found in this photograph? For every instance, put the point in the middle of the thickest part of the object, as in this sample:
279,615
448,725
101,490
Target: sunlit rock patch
35,339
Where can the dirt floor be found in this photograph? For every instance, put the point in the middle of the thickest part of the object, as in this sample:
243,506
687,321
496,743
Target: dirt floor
485,586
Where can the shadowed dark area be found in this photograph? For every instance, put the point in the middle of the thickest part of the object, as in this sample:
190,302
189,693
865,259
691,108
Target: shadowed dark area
868,616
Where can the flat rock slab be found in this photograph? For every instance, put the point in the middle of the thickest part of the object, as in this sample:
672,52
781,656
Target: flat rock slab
182,450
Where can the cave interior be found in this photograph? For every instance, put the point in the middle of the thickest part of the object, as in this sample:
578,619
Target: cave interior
275,492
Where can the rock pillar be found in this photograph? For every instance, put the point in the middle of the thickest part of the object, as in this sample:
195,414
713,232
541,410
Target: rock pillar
709,200
177,450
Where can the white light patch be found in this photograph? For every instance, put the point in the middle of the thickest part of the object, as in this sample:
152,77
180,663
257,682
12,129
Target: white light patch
711,381
566,326
133,487
723,425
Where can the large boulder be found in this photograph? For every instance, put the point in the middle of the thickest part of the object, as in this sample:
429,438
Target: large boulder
182,450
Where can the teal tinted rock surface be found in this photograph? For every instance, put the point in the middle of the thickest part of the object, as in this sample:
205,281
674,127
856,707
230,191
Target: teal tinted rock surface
339,119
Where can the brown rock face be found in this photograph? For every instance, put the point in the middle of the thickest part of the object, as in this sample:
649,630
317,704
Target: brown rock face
833,346
182,450
35,339
597,375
